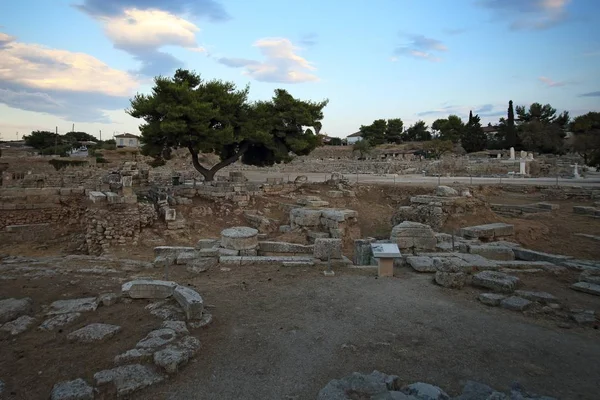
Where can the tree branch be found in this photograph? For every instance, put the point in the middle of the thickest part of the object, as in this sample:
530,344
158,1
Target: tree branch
243,148
204,171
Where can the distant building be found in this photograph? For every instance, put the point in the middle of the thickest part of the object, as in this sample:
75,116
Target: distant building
490,131
127,140
355,137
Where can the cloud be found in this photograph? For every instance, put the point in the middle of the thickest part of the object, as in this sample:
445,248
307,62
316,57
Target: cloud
529,14
71,85
281,65
421,47
111,8
588,54
550,83
484,110
591,94
142,33
309,39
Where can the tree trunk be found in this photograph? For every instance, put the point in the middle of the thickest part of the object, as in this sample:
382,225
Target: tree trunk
209,174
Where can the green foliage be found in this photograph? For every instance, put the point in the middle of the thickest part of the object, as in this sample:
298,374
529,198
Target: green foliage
60,150
586,138
101,160
451,128
393,131
215,117
363,147
417,133
474,139
59,164
74,137
374,133
42,139
437,147
540,129
336,141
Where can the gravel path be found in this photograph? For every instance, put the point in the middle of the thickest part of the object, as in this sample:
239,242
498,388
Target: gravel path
286,338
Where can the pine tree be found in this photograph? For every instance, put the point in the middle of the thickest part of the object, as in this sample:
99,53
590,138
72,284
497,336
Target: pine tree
470,117
511,131
474,139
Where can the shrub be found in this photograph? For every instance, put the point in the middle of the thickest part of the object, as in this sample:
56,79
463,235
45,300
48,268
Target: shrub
59,164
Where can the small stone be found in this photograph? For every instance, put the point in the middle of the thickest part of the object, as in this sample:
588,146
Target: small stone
108,299
425,391
178,326
202,322
515,303
127,379
445,191
491,299
72,390
58,321
73,305
94,333
157,338
133,356
19,325
14,308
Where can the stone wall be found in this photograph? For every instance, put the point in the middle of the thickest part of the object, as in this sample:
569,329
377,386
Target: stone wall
116,224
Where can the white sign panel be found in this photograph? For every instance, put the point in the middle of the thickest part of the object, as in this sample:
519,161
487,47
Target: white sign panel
385,250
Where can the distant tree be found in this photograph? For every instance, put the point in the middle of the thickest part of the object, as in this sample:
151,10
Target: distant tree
474,139
393,132
79,137
363,147
540,129
336,141
450,128
374,133
42,139
215,117
586,138
437,147
417,132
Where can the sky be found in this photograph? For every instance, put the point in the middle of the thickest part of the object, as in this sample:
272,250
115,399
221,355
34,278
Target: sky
78,62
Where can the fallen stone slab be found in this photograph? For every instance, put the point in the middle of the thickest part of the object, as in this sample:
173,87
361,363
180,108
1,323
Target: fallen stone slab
478,391
496,281
261,260
58,321
202,322
157,338
520,264
19,325
174,356
369,386
190,301
148,289
515,303
584,210
206,244
488,231
284,247
127,379
453,280
13,308
491,299
540,297
425,391
475,262
445,191
421,264
179,327
581,265
584,317
294,264
532,255
85,304
413,236
173,251
590,276
326,248
185,258
77,389
134,356
586,287
492,252
95,332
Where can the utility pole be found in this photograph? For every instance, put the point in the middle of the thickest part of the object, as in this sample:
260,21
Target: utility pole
100,134
56,140
73,128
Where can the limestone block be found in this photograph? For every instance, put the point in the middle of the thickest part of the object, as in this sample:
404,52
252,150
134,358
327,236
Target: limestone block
19,325
127,379
239,238
94,333
491,299
488,231
127,181
327,248
11,309
206,243
497,281
97,197
540,297
148,289
157,338
77,389
515,303
454,280
492,252
73,306
445,191
413,235
305,217
362,251
587,287
421,263
532,255
283,247
190,301
112,197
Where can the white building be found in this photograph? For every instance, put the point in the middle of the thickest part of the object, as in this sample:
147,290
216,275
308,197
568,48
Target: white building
355,137
127,140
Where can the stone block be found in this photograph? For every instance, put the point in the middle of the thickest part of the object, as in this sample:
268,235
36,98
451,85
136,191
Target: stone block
148,289
584,210
112,197
18,325
586,287
421,264
284,247
170,214
453,280
77,389
127,181
488,231
248,252
190,301
85,304
97,197
362,251
305,217
515,303
173,251
496,281
335,193
93,333
12,308
239,238
445,191
492,252
491,299
540,297
413,235
327,248
548,206
206,243
532,255
127,379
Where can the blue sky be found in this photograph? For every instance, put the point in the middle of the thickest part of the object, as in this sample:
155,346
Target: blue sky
65,62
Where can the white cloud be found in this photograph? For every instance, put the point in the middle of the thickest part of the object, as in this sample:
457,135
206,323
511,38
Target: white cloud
39,67
529,14
281,65
421,47
550,83
149,29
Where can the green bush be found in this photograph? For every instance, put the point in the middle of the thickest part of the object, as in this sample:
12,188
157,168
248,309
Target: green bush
60,150
101,160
